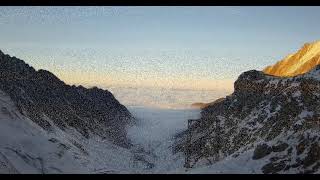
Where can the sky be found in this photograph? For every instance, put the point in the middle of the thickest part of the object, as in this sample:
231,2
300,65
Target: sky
168,47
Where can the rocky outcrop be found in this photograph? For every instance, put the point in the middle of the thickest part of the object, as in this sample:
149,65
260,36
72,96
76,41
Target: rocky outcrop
277,119
47,100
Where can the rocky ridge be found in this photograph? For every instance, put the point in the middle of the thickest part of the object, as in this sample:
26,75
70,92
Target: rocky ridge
46,100
277,119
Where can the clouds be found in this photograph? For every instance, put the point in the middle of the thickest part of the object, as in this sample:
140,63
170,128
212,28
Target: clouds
165,98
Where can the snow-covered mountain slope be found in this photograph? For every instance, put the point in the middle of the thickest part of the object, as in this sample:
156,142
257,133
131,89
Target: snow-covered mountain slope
27,148
267,120
40,95
47,126
298,63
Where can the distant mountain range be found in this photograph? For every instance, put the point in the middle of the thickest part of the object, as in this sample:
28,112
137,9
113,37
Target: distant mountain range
271,121
298,63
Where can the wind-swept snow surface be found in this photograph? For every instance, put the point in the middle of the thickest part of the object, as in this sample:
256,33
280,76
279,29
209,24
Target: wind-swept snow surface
26,148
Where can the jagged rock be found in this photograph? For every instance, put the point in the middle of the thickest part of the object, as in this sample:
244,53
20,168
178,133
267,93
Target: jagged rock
273,167
43,97
283,112
313,155
261,151
279,148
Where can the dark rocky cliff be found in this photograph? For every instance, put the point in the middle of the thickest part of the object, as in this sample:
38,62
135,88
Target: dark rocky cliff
45,99
278,118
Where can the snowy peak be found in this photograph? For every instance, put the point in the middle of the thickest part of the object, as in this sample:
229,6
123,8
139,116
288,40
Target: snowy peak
298,63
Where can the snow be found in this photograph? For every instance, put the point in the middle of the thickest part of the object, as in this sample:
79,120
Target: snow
313,74
296,94
27,148
311,49
305,113
242,164
155,132
274,82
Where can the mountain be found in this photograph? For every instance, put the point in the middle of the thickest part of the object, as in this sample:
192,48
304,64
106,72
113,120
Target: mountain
298,63
48,126
268,124
40,95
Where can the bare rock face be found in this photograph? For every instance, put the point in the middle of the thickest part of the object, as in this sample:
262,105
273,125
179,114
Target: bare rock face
261,151
46,99
275,118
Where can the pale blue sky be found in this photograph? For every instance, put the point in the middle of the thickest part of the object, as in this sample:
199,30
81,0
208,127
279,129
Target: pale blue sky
123,45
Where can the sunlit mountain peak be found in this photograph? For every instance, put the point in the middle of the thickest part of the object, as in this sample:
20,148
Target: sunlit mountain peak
298,63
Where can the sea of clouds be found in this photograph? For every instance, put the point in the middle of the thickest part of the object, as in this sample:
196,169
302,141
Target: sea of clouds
165,98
